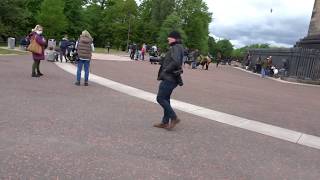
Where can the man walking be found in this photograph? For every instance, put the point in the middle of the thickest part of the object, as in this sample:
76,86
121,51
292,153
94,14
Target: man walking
64,43
170,75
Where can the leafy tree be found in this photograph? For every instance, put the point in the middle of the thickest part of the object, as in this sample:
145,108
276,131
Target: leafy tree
110,20
196,19
212,45
33,7
161,9
145,30
225,47
241,52
173,22
116,23
52,18
75,17
13,19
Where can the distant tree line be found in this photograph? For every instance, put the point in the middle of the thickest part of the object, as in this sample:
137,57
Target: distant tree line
110,20
116,21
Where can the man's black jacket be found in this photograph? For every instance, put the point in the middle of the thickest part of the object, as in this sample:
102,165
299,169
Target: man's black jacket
171,65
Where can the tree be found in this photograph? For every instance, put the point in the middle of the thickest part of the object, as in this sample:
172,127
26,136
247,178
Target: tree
145,30
173,22
196,19
13,19
33,6
116,22
212,45
75,17
52,18
225,47
161,9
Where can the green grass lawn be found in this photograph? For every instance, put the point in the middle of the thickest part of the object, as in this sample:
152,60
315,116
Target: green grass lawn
112,51
8,51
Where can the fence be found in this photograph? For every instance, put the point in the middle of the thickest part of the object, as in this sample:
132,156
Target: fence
303,64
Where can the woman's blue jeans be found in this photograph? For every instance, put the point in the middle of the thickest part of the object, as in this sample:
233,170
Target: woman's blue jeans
86,65
263,72
163,98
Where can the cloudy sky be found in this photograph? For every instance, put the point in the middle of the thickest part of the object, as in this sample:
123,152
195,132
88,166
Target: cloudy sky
251,21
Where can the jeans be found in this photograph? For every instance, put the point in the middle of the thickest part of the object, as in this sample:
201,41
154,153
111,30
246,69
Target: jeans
263,72
194,65
63,54
165,90
86,65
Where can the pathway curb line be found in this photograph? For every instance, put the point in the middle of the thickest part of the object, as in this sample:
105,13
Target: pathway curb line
232,120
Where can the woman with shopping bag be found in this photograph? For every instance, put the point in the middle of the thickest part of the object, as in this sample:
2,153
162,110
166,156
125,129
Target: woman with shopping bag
36,46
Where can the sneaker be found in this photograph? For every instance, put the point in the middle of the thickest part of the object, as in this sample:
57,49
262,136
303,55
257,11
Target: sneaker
86,84
160,125
35,75
77,83
40,74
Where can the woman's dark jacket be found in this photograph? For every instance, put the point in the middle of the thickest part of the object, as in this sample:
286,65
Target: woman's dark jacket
171,65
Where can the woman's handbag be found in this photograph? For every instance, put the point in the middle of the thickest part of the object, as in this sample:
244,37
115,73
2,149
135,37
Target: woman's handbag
34,47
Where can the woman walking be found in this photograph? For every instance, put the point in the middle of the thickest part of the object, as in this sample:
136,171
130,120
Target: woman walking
36,37
84,48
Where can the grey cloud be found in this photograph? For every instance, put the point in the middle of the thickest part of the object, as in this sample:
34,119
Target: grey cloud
284,30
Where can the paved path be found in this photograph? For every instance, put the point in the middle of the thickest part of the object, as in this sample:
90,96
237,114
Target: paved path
251,125
231,91
51,129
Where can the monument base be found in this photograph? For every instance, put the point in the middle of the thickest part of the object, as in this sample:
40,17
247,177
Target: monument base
309,42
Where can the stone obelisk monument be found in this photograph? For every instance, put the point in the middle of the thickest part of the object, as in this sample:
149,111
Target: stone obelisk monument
312,41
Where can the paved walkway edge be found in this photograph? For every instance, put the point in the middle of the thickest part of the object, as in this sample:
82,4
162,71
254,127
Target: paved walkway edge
278,79
235,121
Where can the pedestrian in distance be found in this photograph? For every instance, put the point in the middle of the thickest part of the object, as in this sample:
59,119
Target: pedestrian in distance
170,76
63,44
258,65
196,55
264,65
108,46
133,51
219,58
37,46
84,48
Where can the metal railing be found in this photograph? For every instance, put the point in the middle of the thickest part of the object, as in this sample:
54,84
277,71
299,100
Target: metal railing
303,64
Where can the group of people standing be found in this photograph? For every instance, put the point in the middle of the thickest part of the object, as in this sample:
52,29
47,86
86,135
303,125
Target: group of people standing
194,58
266,67
169,73
84,47
137,53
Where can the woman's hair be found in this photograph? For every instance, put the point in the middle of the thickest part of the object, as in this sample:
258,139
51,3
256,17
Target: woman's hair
85,33
37,27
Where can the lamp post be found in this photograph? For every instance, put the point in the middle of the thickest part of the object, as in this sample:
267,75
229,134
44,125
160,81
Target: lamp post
129,29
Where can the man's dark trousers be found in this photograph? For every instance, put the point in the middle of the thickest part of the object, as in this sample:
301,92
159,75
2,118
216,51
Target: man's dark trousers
165,90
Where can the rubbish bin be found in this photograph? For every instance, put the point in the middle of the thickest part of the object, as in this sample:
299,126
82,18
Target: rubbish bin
11,43
52,43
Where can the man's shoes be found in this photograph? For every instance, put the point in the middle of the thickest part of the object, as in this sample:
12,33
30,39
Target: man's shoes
173,123
86,84
77,83
35,75
160,125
